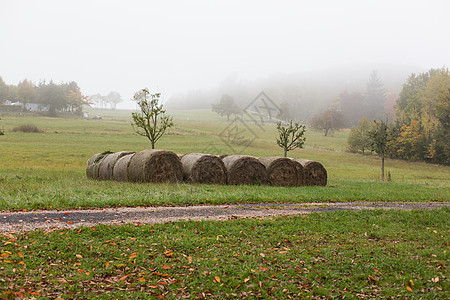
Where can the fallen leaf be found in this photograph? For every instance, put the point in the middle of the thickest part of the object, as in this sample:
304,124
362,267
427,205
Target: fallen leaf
247,279
142,279
217,278
79,256
262,255
190,260
133,255
436,279
409,289
166,267
20,255
107,264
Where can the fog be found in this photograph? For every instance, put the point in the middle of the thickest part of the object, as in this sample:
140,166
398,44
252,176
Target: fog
181,48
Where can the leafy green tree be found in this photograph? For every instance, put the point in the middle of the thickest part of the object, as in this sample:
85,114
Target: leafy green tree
151,121
327,121
379,139
290,136
53,95
226,107
375,97
439,149
358,139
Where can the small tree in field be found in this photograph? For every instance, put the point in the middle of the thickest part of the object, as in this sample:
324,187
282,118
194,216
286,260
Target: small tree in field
1,131
379,138
151,121
291,136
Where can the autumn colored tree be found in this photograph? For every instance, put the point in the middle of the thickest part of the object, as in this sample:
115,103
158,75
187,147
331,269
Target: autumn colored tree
327,121
290,136
151,121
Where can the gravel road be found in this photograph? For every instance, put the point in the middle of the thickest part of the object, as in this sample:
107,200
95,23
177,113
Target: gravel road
53,219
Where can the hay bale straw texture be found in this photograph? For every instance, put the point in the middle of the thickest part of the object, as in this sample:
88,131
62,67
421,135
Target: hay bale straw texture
315,173
105,171
203,168
120,169
300,172
92,169
155,166
281,171
244,169
90,165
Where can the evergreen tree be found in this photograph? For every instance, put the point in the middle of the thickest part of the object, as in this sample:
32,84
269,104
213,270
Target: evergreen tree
375,97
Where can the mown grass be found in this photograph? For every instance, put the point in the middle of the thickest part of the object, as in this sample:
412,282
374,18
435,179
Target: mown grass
369,254
71,189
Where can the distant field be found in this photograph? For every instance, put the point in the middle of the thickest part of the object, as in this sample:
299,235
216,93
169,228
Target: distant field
39,170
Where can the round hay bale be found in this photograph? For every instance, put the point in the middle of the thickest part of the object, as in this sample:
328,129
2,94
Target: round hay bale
244,169
90,165
315,173
105,170
281,171
93,169
120,169
300,172
203,168
155,166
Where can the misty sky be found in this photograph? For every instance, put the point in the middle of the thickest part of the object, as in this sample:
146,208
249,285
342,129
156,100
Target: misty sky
178,46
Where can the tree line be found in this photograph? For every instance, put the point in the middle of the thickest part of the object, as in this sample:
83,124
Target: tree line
421,128
65,97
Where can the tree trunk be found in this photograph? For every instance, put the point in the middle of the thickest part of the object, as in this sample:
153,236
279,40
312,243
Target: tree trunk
326,131
382,168
153,145
285,153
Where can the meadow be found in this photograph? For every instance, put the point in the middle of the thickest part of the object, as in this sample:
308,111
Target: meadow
367,254
47,169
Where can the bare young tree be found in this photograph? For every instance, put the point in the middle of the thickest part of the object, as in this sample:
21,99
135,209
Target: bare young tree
291,136
151,121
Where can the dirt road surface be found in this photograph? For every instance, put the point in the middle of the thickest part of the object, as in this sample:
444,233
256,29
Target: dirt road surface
53,219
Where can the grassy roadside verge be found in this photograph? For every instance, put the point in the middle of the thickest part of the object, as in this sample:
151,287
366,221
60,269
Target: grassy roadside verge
353,254
71,189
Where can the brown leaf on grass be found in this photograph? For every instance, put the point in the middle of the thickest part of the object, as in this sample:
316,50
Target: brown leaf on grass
166,267
107,264
217,278
436,279
190,259
247,279
371,278
20,255
79,256
133,255
409,289
142,279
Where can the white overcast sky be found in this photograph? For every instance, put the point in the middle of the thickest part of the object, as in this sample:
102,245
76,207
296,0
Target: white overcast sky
177,46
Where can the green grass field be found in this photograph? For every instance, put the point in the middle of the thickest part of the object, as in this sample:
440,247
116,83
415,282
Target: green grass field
47,170
368,254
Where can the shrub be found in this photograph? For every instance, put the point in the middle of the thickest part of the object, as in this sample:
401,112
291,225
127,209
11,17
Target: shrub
28,128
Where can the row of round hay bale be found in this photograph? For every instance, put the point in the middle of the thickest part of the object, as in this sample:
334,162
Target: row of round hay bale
120,169
244,169
203,168
166,166
282,171
155,166
105,170
94,163
315,173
